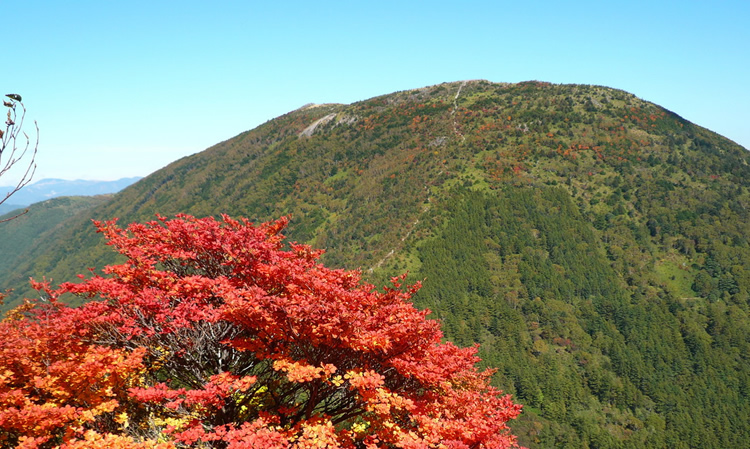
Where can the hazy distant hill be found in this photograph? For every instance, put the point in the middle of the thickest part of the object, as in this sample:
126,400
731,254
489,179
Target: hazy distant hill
49,188
595,244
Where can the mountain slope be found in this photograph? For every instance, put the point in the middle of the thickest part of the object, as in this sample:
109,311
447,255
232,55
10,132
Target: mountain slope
594,243
25,236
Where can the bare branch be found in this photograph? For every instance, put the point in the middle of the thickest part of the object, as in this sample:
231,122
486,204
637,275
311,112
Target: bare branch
11,150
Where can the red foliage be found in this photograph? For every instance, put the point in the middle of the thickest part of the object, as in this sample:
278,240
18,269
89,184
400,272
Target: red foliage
214,332
53,381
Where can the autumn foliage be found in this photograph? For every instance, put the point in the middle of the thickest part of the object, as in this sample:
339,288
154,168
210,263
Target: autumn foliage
217,333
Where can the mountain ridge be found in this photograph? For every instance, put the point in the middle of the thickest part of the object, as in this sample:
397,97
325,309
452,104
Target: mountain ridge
594,243
48,188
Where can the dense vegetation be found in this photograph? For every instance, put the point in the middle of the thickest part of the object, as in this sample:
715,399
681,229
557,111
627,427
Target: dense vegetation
604,363
594,243
216,334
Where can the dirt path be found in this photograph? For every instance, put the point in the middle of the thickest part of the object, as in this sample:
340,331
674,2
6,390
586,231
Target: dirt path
453,112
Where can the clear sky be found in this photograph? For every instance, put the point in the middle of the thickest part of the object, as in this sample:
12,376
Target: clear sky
122,89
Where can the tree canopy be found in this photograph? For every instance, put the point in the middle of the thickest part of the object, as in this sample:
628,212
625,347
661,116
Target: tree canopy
218,333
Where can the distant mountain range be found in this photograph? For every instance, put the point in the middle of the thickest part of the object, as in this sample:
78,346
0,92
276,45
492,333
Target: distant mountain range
596,245
49,188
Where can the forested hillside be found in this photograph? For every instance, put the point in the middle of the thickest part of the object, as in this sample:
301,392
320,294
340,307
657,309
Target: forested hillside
24,236
595,244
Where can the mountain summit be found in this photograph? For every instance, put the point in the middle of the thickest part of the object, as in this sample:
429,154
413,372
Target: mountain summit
595,244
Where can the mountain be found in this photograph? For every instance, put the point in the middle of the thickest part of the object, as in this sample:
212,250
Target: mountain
49,188
595,244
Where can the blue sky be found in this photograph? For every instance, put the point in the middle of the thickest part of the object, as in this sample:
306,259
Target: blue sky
124,88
